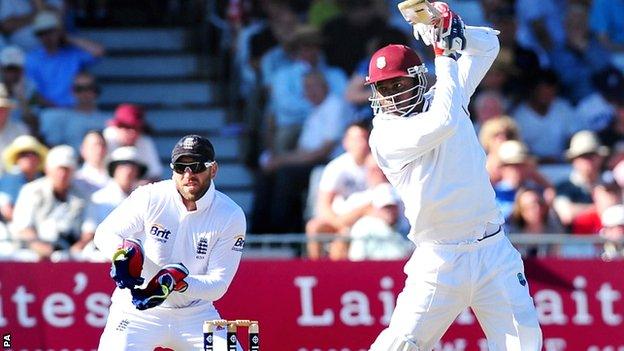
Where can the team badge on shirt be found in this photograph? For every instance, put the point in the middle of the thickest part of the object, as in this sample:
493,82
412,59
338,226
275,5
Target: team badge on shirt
239,243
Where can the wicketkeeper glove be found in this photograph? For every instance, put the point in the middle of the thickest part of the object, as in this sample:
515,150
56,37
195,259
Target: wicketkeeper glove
127,264
449,32
169,279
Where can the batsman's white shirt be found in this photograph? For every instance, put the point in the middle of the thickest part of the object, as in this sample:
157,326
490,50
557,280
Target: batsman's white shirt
208,241
437,165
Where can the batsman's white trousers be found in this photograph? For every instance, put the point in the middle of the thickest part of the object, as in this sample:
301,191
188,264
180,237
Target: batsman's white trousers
176,328
442,280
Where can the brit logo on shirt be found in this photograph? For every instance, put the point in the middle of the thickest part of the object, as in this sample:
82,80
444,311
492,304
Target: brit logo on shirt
160,233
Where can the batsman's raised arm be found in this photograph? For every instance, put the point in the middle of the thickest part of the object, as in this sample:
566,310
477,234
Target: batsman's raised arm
481,49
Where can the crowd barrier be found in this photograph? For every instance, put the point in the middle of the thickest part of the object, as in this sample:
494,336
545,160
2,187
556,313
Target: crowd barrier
311,306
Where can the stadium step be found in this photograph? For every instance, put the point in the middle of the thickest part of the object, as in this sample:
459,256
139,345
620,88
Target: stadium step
137,39
158,93
161,66
185,121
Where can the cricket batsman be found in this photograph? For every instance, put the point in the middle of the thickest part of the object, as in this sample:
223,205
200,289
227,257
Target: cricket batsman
426,145
175,246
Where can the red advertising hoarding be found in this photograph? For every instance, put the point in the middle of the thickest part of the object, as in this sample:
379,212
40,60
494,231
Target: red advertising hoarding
311,306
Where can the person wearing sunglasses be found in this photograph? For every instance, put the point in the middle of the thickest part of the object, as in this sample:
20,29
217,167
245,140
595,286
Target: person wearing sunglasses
175,247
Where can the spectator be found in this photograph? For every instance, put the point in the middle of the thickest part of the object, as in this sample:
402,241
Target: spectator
375,236
128,128
23,159
540,26
613,231
49,210
491,135
341,178
574,194
77,120
9,130
598,109
488,105
92,176
546,121
54,65
16,19
287,174
287,101
126,169
579,57
517,170
606,21
614,133
604,195
21,90
532,215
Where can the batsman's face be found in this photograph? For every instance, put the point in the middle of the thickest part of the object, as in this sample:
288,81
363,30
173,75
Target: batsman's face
192,186
396,92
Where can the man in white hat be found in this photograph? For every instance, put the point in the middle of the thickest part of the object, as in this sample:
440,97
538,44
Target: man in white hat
126,169
574,195
9,130
54,64
16,19
21,90
23,159
49,211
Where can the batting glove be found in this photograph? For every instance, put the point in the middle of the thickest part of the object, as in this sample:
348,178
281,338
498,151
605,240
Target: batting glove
169,279
128,264
449,32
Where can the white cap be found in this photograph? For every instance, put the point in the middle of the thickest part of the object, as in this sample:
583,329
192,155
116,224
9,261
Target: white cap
585,142
46,20
384,195
61,156
513,152
613,216
12,56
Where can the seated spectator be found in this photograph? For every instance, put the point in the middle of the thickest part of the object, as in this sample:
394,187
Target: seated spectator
540,27
9,130
613,231
532,215
376,235
77,120
580,56
342,177
21,90
23,159
92,175
492,134
605,194
286,175
126,169
606,22
546,121
597,110
517,171
287,100
54,65
574,195
49,211
128,128
488,105
16,19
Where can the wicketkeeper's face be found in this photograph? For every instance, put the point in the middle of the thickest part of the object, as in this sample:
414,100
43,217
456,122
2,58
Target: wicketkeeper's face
191,184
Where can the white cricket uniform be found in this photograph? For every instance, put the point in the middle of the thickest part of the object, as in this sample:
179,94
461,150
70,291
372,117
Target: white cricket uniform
437,165
208,241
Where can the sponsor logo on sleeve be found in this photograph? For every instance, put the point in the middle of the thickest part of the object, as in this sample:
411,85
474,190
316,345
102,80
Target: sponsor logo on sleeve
239,243
159,232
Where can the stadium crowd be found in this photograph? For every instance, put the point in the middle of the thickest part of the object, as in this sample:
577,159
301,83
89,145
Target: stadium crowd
549,114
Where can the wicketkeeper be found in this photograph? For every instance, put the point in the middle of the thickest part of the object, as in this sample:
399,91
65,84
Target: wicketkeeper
175,246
